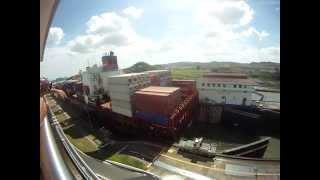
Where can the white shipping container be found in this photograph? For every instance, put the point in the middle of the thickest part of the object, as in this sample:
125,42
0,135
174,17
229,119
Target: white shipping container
104,76
120,96
123,111
122,104
131,78
128,89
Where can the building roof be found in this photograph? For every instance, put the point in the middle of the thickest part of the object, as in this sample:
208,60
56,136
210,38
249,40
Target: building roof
228,78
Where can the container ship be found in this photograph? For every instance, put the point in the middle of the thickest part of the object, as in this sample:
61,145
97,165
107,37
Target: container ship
158,105
149,100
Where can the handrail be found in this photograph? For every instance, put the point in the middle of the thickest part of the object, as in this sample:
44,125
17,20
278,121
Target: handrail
51,161
77,160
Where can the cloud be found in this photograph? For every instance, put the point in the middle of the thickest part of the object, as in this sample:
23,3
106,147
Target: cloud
270,53
252,31
106,23
224,13
107,30
55,36
226,20
209,30
133,12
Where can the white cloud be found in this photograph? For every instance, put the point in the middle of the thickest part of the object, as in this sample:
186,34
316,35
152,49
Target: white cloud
217,32
108,30
270,53
55,36
224,13
252,31
223,20
106,23
133,12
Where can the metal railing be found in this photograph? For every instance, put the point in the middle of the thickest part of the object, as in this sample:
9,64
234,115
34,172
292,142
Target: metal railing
51,161
85,170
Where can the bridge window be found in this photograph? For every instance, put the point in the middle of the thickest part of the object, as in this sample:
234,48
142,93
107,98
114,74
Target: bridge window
213,85
219,85
223,85
240,86
203,84
235,86
208,84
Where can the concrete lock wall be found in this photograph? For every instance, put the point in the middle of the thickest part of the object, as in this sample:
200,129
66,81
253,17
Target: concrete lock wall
210,113
215,113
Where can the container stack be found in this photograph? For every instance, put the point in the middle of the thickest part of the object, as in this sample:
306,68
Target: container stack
187,86
160,77
122,87
155,104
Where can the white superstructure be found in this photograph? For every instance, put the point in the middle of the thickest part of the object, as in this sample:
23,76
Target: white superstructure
95,79
225,88
91,79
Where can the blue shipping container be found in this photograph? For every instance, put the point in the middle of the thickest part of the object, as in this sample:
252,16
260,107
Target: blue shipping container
152,117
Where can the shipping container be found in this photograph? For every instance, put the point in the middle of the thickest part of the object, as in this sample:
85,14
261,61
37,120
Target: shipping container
131,78
158,89
120,96
159,77
153,118
153,99
121,103
187,86
123,111
128,89
184,83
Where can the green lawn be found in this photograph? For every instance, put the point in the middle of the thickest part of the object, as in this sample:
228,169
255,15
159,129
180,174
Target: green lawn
83,144
125,159
82,137
187,73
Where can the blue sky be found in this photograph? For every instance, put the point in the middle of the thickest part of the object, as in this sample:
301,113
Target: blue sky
161,32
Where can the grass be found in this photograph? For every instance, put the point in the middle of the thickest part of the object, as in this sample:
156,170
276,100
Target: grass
187,73
83,144
125,159
79,136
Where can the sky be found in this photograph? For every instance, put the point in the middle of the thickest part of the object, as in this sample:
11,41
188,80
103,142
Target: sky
160,32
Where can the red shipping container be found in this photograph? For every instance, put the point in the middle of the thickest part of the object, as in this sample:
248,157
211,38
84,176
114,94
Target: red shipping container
160,100
187,86
190,84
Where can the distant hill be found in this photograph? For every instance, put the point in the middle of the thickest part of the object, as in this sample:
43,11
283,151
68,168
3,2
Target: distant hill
215,64
140,67
266,72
